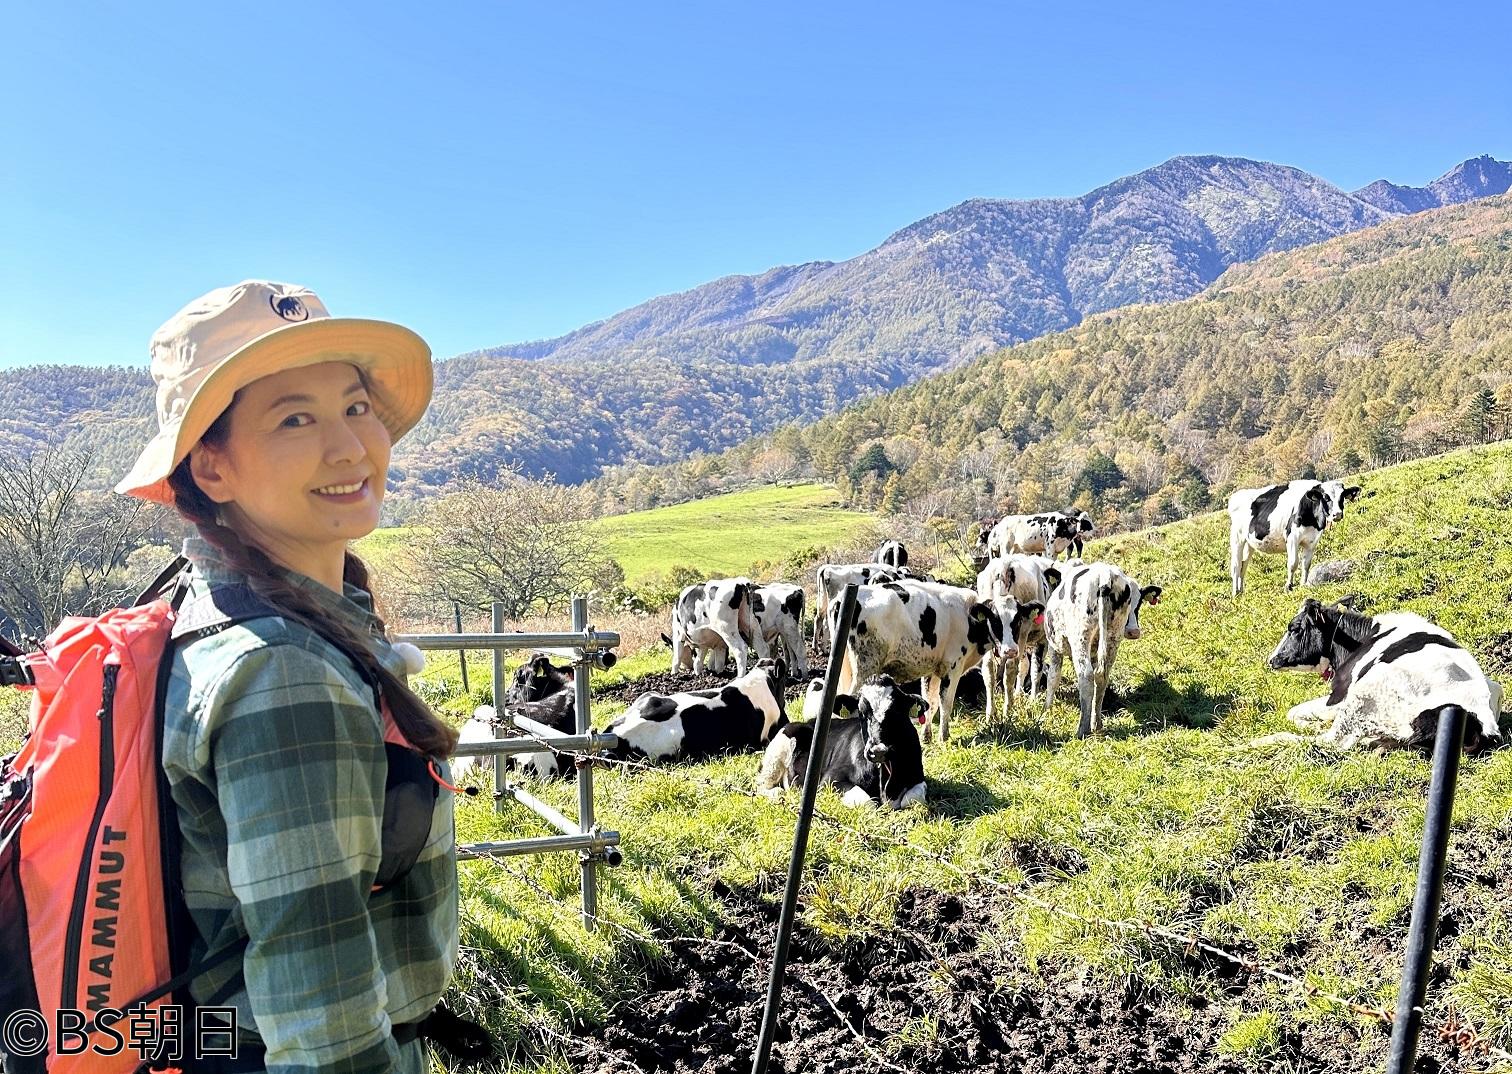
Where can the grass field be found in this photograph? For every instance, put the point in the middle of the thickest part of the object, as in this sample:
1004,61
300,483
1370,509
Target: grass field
1290,852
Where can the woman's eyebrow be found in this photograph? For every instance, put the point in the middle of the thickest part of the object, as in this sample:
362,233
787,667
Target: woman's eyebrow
297,398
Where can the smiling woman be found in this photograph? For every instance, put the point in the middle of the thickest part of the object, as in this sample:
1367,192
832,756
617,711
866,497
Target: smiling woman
310,782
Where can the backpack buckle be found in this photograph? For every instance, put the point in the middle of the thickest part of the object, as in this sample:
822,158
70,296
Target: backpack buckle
13,672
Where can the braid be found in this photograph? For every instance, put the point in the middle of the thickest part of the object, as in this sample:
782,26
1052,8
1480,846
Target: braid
419,725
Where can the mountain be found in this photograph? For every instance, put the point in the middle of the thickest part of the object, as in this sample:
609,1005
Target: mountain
1480,177
708,368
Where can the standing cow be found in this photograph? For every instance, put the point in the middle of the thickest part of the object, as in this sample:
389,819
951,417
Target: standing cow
1389,677
709,620
834,577
1283,518
921,630
1049,534
1029,581
891,554
1092,610
778,611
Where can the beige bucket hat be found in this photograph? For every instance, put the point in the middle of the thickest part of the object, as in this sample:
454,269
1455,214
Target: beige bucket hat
223,341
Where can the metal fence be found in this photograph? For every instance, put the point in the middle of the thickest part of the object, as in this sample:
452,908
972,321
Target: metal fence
587,649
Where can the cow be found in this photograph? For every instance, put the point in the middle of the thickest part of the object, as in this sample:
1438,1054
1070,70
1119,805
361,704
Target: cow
871,758
1085,528
891,554
832,580
921,630
699,724
1092,610
1283,518
1389,677
709,620
1051,534
777,608
1029,581
558,711
538,679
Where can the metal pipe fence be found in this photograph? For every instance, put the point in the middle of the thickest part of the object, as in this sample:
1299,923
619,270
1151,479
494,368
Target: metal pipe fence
587,649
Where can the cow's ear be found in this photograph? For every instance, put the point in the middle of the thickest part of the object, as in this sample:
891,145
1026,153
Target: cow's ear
1150,594
846,703
1035,611
1352,492
539,665
1053,577
980,613
781,671
915,702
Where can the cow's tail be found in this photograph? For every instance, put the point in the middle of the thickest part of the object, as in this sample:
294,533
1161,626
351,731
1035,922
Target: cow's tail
744,621
777,765
1104,612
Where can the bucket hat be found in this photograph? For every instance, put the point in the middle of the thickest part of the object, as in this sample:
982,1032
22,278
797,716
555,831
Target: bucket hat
223,341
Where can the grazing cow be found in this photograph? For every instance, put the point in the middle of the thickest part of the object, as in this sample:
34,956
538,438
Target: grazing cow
1050,534
834,577
1028,581
537,680
1092,610
921,630
1389,676
709,620
778,610
1283,518
891,554
873,758
699,724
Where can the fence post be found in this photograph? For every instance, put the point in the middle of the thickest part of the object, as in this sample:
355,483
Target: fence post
462,653
1430,888
801,831
584,772
501,779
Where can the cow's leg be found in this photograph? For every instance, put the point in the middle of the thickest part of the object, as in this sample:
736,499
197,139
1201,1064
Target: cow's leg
1237,561
992,674
736,646
1054,659
934,711
947,706
798,656
1307,556
1292,551
679,646
1086,690
1310,715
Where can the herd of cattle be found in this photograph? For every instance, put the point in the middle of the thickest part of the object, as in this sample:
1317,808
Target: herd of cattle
914,639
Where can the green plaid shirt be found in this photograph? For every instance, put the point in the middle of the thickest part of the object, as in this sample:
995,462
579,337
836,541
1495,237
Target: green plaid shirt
274,750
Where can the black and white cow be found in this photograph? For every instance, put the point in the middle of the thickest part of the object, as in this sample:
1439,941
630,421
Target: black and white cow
538,679
891,554
558,711
922,630
709,620
698,724
1388,676
1093,609
1028,581
1283,518
832,580
1085,530
1050,533
871,758
778,610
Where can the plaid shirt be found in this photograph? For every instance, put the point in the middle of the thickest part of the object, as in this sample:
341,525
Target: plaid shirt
274,750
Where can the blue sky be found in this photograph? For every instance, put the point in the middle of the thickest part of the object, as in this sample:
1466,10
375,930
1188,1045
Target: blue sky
496,172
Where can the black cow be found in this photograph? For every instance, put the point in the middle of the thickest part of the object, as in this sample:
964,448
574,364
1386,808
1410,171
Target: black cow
537,680
872,758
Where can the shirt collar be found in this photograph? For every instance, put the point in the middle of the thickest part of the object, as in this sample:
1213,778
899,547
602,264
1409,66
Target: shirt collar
353,604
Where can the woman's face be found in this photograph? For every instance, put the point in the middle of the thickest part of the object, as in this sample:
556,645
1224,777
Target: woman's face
301,471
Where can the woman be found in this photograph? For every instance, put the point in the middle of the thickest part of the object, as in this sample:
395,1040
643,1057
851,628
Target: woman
289,723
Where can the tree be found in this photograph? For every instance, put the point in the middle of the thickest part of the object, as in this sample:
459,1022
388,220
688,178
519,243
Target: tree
873,461
527,544
65,549
1478,420
1100,474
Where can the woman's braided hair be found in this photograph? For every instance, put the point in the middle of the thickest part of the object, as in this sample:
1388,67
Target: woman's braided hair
419,725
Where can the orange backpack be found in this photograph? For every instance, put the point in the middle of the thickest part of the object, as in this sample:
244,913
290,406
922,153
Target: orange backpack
91,918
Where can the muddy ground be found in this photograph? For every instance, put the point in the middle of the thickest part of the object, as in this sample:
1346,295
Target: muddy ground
702,1010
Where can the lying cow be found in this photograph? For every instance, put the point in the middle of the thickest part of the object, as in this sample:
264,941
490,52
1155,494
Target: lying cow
538,679
891,554
709,620
921,630
778,610
1092,610
1028,581
1389,676
1283,518
1049,534
832,580
700,724
559,712
873,758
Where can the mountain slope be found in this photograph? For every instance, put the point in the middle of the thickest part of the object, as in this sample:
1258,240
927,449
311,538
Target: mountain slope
1480,177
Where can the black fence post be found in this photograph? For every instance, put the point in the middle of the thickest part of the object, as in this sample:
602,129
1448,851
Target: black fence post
801,832
462,654
1430,888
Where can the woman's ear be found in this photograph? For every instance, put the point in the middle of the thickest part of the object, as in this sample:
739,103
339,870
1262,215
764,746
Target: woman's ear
207,467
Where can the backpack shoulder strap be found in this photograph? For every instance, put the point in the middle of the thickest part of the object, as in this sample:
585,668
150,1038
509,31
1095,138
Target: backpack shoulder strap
221,607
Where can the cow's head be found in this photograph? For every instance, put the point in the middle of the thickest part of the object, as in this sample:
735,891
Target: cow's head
1335,495
1084,525
538,679
1027,626
776,674
986,626
1150,594
1307,644
892,738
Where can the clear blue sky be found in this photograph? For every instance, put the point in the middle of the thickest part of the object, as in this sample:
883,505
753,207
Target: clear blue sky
496,172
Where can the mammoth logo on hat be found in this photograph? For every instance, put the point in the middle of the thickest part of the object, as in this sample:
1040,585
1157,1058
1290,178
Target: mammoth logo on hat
289,308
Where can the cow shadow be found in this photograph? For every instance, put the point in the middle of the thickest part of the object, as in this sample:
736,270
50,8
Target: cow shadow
1156,704
960,799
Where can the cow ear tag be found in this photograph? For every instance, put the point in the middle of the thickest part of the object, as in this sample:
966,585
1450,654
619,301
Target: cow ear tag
1039,619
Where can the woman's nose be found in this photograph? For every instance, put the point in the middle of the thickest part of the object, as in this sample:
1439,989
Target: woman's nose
342,444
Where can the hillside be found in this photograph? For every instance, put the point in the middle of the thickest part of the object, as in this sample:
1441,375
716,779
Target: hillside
1300,858
1384,344
711,367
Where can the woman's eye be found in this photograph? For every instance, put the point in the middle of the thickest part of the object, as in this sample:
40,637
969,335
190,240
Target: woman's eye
294,421
359,408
